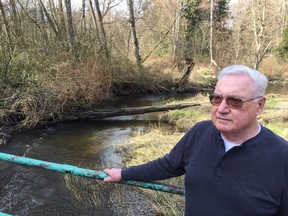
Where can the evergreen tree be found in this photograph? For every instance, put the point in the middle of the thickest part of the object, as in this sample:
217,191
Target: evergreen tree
283,48
193,15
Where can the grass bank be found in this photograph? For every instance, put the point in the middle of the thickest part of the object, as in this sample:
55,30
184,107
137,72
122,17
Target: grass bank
157,142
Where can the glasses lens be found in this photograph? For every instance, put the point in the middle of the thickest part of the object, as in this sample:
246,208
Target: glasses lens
235,103
216,99
232,102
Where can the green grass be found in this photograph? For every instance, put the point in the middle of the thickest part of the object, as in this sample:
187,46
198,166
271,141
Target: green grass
275,114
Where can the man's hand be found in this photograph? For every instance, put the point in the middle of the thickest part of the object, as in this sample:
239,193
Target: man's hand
114,175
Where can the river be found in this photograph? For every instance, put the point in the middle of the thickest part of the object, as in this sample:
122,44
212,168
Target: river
88,144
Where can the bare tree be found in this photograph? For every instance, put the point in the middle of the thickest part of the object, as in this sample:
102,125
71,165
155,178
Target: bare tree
61,19
103,38
50,21
83,17
71,33
16,24
176,28
211,32
259,31
134,34
6,24
95,20
43,24
256,29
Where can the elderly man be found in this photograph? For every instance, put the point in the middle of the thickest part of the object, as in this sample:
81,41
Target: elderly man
233,165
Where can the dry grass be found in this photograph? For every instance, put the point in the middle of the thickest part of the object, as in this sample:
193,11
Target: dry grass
150,146
62,89
275,114
185,118
275,69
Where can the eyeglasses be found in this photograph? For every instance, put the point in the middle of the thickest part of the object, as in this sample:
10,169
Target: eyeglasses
232,102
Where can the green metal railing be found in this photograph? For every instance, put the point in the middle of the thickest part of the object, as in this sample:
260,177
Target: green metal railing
74,170
4,214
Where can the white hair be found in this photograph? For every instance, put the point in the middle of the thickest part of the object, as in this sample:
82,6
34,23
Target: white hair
260,80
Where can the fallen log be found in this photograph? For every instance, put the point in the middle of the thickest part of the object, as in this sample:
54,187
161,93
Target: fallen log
12,120
100,114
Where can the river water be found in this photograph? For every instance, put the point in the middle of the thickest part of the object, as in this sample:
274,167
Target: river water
88,144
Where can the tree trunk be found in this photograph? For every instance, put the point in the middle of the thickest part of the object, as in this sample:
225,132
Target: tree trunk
134,34
9,119
189,65
259,32
95,20
100,114
71,33
50,21
43,28
7,27
103,37
61,19
16,24
211,31
176,31
83,17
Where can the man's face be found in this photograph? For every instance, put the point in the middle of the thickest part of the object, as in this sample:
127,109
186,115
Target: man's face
236,121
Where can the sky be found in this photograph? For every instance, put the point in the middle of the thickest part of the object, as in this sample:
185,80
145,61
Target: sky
78,3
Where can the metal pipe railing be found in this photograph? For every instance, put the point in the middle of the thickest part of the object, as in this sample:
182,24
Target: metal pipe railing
74,170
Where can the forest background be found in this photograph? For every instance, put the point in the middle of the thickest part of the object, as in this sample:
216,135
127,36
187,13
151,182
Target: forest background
59,57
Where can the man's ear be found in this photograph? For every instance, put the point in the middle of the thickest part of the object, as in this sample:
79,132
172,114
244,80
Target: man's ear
261,102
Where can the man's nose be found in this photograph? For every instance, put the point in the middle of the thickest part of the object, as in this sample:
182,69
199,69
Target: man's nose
223,106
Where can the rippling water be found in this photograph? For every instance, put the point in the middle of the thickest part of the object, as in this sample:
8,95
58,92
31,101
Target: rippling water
88,144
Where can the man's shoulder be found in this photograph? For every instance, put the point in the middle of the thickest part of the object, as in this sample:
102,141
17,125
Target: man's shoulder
205,124
202,126
269,133
273,137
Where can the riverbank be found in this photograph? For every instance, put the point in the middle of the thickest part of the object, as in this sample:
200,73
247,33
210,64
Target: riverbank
83,87
157,142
